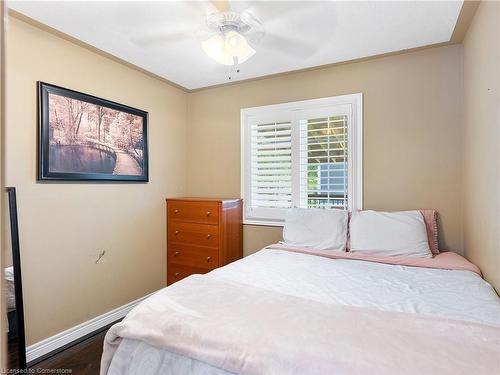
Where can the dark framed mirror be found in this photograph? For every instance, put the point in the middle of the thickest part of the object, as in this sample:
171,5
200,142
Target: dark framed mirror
16,356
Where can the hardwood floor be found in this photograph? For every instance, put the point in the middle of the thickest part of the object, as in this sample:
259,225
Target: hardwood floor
12,354
82,359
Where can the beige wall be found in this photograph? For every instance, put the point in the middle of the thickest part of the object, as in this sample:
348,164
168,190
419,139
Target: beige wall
412,130
64,226
482,141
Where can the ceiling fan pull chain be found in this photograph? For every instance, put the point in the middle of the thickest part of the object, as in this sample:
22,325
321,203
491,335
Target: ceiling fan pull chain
235,68
236,64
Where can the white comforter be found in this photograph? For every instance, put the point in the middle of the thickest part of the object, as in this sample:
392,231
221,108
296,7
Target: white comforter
461,295
10,295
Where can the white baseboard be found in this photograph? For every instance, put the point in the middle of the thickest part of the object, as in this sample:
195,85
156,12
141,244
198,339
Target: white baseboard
61,339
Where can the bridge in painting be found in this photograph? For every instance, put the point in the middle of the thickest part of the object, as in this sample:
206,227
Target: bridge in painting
126,164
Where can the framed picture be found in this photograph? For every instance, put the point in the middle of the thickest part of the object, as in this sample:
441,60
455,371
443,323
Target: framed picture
85,138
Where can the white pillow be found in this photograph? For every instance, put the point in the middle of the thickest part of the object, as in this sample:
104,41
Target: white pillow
317,228
400,233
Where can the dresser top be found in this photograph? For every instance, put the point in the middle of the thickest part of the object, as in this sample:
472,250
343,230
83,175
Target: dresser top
194,199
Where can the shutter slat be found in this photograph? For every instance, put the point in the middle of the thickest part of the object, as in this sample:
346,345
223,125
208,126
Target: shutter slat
272,146
282,178
271,173
273,159
271,204
263,128
277,133
268,141
262,153
283,164
268,190
272,197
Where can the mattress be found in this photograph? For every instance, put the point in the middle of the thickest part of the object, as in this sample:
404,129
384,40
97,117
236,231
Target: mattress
456,294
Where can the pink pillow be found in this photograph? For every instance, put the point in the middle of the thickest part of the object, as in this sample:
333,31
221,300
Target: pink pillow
348,241
430,219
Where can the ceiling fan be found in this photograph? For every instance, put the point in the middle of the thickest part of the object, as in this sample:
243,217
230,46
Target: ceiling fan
230,34
230,43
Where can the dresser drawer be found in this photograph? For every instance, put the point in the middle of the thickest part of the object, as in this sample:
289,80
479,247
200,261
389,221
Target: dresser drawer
194,256
177,272
194,234
194,212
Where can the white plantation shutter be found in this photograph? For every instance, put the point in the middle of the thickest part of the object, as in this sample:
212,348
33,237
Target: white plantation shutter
302,154
268,154
324,162
271,165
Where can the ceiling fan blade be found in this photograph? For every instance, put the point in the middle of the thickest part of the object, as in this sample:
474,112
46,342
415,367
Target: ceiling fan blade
240,6
254,37
269,11
287,46
159,38
221,5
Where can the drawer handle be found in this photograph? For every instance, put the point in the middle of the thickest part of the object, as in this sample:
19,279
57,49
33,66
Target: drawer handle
176,253
177,232
209,259
177,274
176,211
209,213
209,236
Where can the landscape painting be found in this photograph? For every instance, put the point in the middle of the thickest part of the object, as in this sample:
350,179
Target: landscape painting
82,137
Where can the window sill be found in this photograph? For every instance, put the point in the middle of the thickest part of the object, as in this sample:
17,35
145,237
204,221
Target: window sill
264,223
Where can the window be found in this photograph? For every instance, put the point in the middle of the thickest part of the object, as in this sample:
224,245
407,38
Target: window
301,154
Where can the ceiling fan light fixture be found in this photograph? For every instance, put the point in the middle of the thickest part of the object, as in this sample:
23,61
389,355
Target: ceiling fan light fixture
228,44
213,46
227,47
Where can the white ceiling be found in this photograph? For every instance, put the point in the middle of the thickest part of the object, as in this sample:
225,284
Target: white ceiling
299,34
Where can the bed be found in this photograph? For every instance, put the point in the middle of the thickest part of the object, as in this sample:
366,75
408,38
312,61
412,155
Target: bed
10,300
10,297
289,310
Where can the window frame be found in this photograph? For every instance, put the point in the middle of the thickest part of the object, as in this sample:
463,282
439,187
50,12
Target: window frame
354,151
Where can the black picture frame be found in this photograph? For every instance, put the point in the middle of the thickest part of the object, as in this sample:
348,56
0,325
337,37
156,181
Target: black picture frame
43,172
16,264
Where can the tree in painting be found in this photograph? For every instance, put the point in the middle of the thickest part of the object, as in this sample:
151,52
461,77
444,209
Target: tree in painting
90,138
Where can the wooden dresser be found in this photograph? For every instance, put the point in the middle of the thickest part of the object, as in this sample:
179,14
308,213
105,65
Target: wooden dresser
202,234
